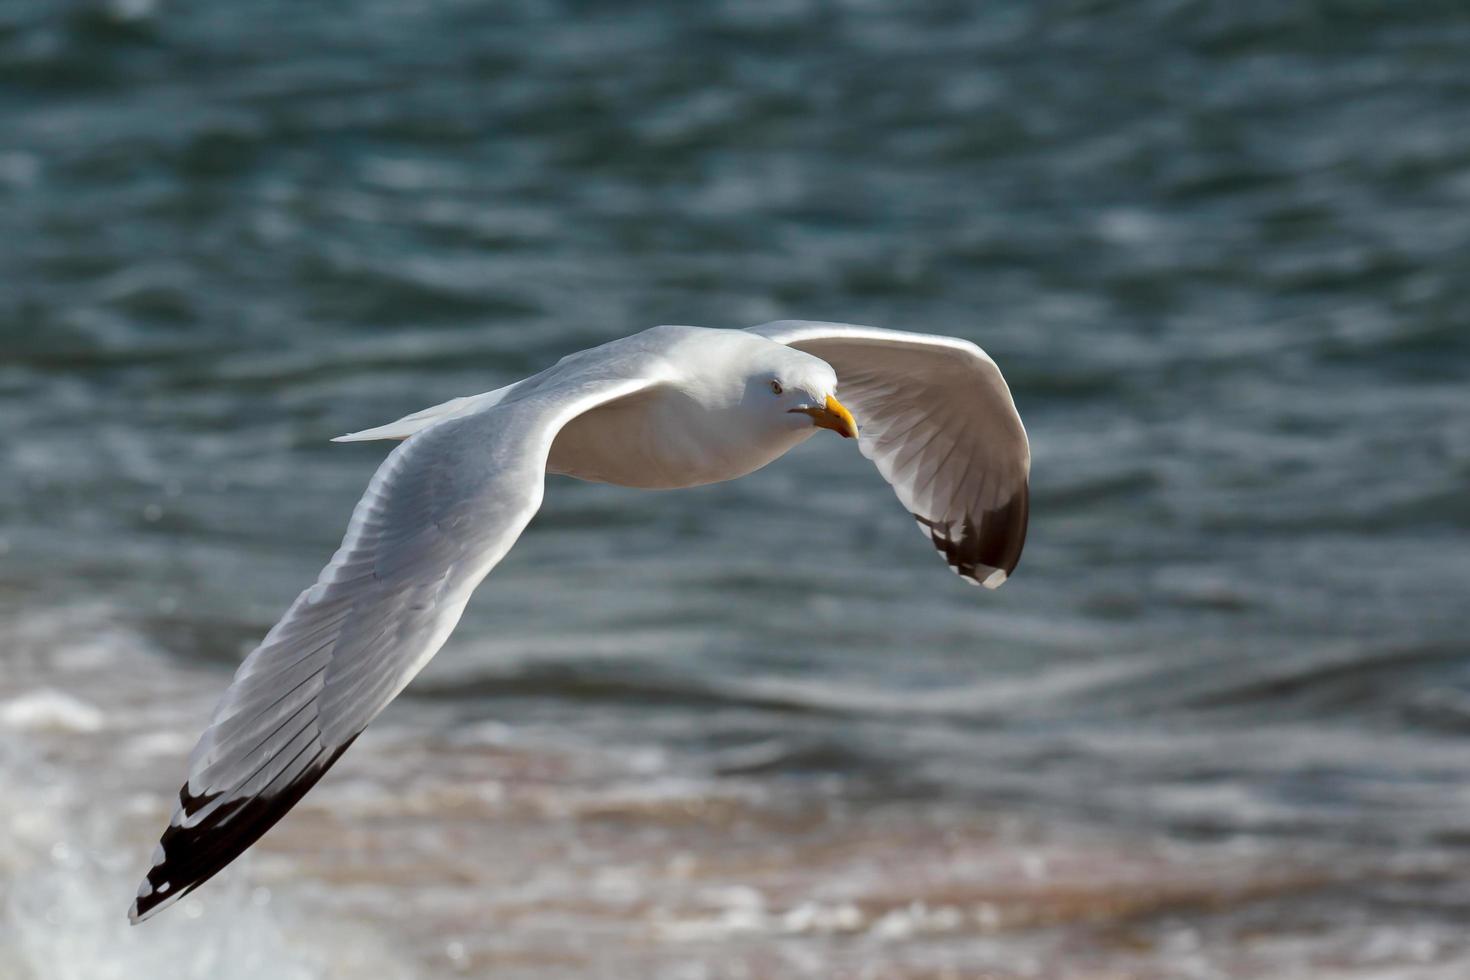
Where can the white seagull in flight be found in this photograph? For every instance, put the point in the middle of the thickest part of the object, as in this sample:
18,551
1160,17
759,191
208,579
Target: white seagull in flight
669,407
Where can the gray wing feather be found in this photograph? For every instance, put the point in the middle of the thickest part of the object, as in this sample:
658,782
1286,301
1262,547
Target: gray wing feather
937,419
441,511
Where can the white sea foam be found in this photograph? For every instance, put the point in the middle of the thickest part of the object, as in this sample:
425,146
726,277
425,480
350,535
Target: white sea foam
50,710
67,874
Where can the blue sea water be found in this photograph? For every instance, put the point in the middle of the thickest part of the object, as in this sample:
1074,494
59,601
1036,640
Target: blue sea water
1220,251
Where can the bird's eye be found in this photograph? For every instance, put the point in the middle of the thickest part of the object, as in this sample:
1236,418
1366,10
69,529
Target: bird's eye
776,388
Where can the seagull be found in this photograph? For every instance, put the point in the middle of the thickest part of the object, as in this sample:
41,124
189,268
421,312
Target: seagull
670,407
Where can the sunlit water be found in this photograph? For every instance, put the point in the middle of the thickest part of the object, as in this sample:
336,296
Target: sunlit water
1215,725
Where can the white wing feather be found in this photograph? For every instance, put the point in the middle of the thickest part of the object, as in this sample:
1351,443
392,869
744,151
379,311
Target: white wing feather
442,510
937,419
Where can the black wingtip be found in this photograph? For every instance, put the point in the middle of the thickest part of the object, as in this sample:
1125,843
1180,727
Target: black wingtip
1003,532
187,856
985,551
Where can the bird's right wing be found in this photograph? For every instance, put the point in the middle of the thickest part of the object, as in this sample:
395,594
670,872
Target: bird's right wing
442,510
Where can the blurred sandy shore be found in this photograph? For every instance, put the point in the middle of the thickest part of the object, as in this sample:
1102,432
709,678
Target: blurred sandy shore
445,849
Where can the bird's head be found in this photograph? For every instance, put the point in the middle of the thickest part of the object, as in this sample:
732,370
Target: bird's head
798,392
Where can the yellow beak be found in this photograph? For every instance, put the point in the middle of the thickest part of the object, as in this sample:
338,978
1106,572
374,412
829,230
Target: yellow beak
832,416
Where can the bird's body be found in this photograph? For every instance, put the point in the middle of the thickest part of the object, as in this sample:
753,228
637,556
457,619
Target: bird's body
691,429
670,407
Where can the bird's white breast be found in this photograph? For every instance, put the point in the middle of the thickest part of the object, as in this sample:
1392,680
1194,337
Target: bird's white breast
664,439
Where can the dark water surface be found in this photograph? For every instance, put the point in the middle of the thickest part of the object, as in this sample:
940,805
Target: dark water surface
1216,725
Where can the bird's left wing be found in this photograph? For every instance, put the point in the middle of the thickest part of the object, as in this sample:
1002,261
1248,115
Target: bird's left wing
937,419
441,511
